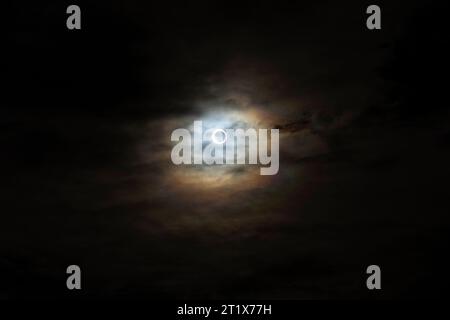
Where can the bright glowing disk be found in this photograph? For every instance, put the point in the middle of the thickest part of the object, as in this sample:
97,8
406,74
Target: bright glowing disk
215,139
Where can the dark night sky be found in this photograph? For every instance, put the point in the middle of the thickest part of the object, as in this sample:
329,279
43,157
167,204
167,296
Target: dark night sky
365,148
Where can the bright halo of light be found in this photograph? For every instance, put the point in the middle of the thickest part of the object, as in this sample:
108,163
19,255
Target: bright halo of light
214,137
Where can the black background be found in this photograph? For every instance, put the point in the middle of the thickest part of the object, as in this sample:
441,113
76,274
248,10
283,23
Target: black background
68,93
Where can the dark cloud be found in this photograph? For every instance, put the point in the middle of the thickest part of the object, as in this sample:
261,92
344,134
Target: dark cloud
87,178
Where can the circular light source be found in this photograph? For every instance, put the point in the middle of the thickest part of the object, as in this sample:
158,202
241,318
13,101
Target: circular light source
215,139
